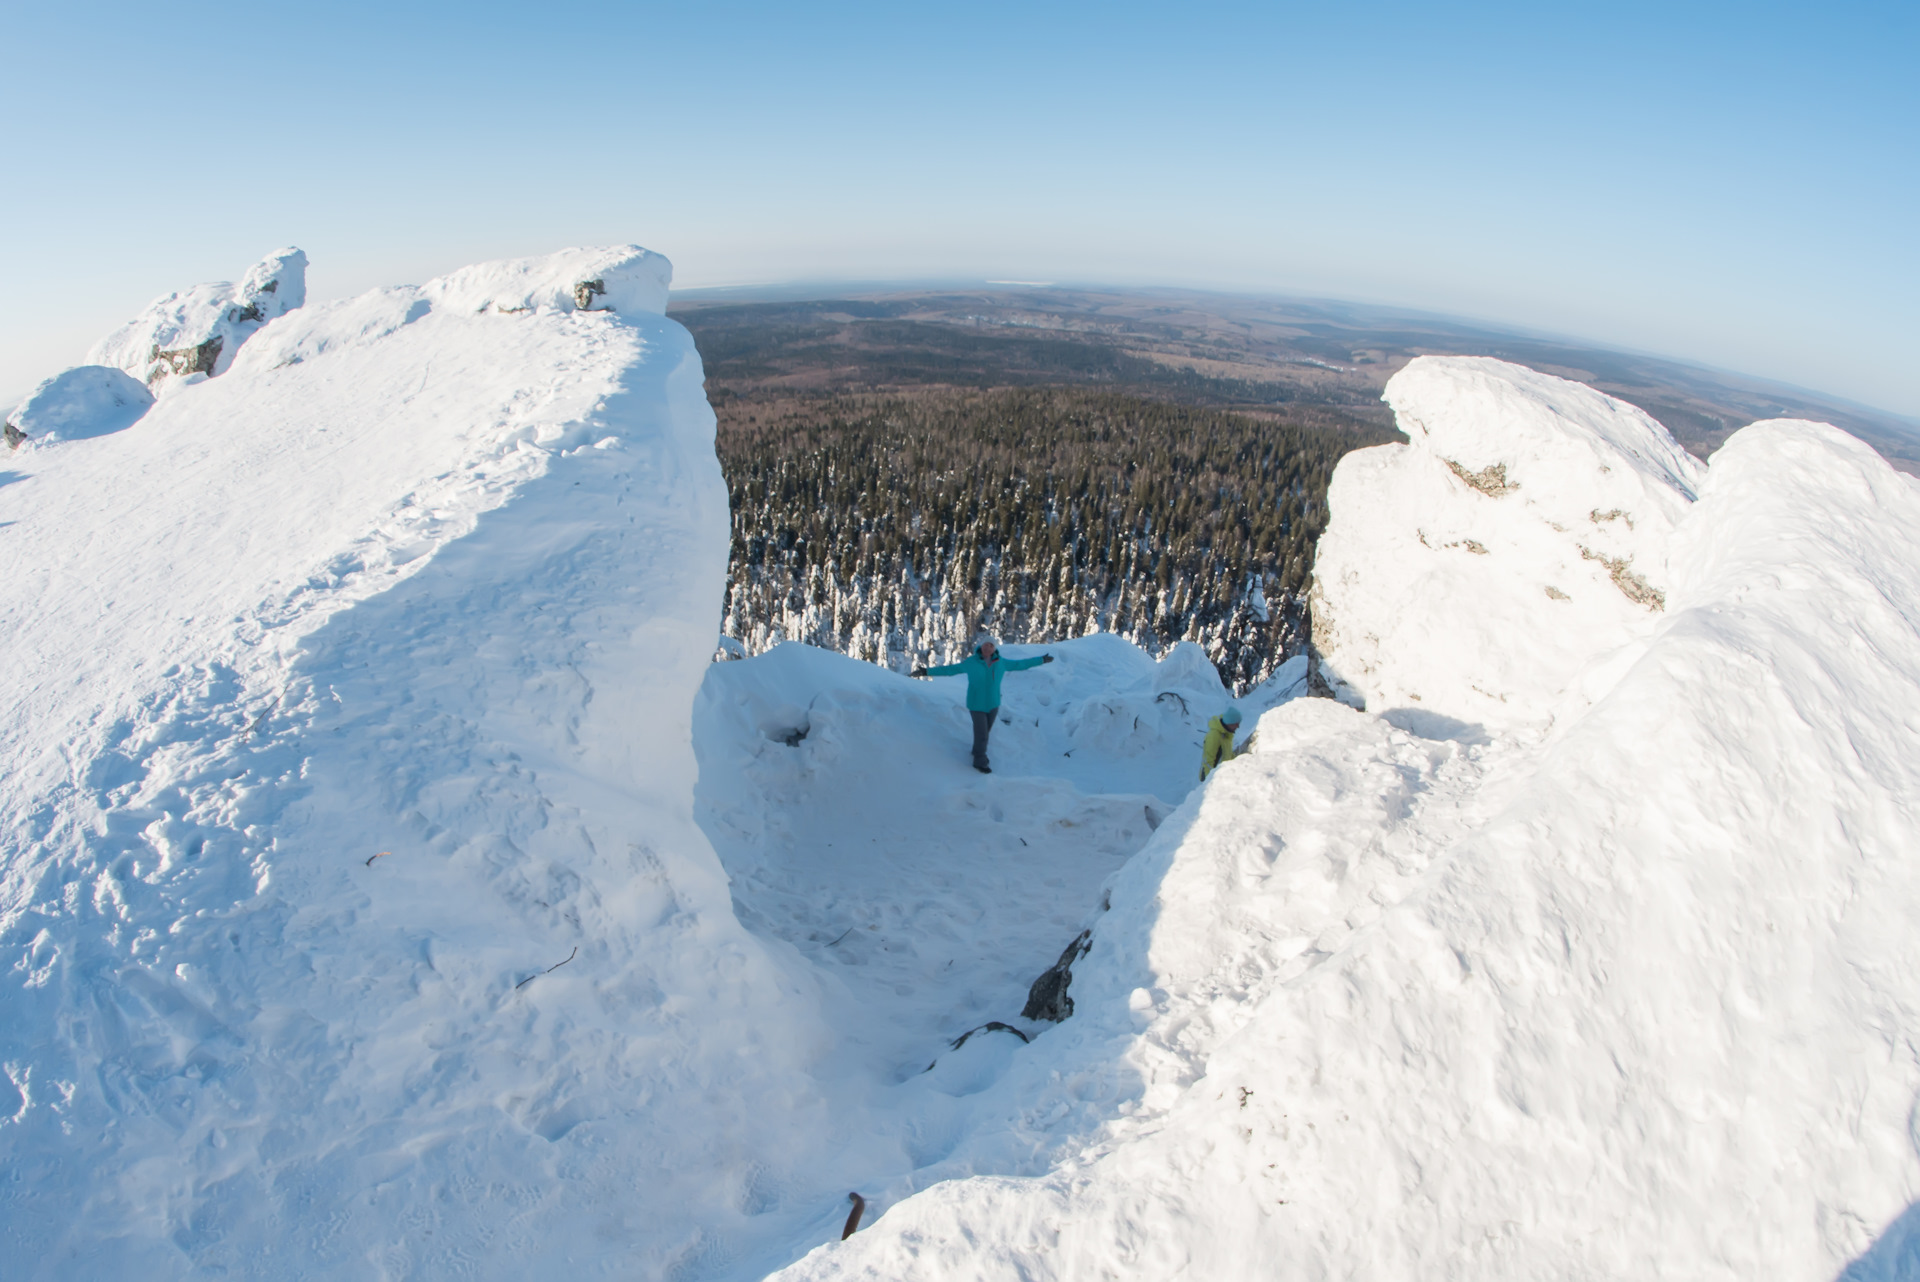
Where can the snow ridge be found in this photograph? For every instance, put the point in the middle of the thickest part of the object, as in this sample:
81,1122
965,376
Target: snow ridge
356,918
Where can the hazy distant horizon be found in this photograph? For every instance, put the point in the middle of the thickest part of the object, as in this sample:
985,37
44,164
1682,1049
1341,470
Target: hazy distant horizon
1729,186
802,290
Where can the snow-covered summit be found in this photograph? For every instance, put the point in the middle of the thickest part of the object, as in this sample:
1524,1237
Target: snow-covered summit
361,916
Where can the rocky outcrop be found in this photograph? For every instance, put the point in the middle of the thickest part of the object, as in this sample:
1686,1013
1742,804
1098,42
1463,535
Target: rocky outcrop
625,279
1469,575
197,331
1048,999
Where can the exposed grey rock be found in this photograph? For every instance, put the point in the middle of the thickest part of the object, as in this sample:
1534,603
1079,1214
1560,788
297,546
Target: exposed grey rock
586,291
991,1026
181,361
1048,999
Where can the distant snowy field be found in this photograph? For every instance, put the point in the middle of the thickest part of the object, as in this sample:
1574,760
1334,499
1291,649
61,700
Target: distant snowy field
393,889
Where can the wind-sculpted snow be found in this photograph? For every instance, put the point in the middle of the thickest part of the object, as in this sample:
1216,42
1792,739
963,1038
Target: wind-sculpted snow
1631,998
355,919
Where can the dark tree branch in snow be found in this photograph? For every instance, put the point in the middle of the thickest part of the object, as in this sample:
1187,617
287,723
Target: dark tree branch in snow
549,970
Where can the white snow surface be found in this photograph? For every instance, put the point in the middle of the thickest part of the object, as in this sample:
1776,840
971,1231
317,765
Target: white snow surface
1623,983
361,916
1521,533
394,889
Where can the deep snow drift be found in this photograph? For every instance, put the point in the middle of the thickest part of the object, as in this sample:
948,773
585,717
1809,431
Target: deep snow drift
1587,952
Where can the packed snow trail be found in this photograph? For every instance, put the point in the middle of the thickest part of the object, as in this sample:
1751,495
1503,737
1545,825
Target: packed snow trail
1586,951
840,799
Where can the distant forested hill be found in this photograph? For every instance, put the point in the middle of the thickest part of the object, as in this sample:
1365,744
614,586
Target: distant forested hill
909,467
893,527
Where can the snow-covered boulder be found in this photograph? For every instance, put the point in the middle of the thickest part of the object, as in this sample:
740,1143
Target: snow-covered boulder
198,331
1466,576
1167,703
88,400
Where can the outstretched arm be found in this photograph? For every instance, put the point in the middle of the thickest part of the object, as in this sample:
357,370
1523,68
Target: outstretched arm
1021,665
944,670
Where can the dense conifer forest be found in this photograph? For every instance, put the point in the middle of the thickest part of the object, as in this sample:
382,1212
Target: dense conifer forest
893,526
910,467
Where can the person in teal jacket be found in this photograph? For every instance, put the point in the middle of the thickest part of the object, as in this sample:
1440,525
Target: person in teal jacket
983,670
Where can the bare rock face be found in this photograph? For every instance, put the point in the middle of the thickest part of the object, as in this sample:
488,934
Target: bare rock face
198,330
88,400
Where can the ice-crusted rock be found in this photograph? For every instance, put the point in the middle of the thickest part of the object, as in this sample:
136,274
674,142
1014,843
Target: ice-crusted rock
88,400
199,330
1466,576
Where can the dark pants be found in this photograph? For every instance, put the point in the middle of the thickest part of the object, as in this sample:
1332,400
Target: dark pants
982,727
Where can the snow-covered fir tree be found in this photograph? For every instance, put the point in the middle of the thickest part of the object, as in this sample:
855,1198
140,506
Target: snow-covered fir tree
894,528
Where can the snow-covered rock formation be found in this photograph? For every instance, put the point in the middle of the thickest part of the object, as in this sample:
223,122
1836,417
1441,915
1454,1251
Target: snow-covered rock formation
198,331
1602,965
355,920
1528,522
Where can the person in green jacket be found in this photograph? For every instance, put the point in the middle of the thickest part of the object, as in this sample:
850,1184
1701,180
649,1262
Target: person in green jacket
1219,749
983,670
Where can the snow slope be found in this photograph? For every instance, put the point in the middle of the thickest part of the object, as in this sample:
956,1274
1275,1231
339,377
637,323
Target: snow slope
1615,977
348,694
923,898
840,799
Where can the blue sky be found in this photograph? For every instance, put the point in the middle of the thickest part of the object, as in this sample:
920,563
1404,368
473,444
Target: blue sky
1734,184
